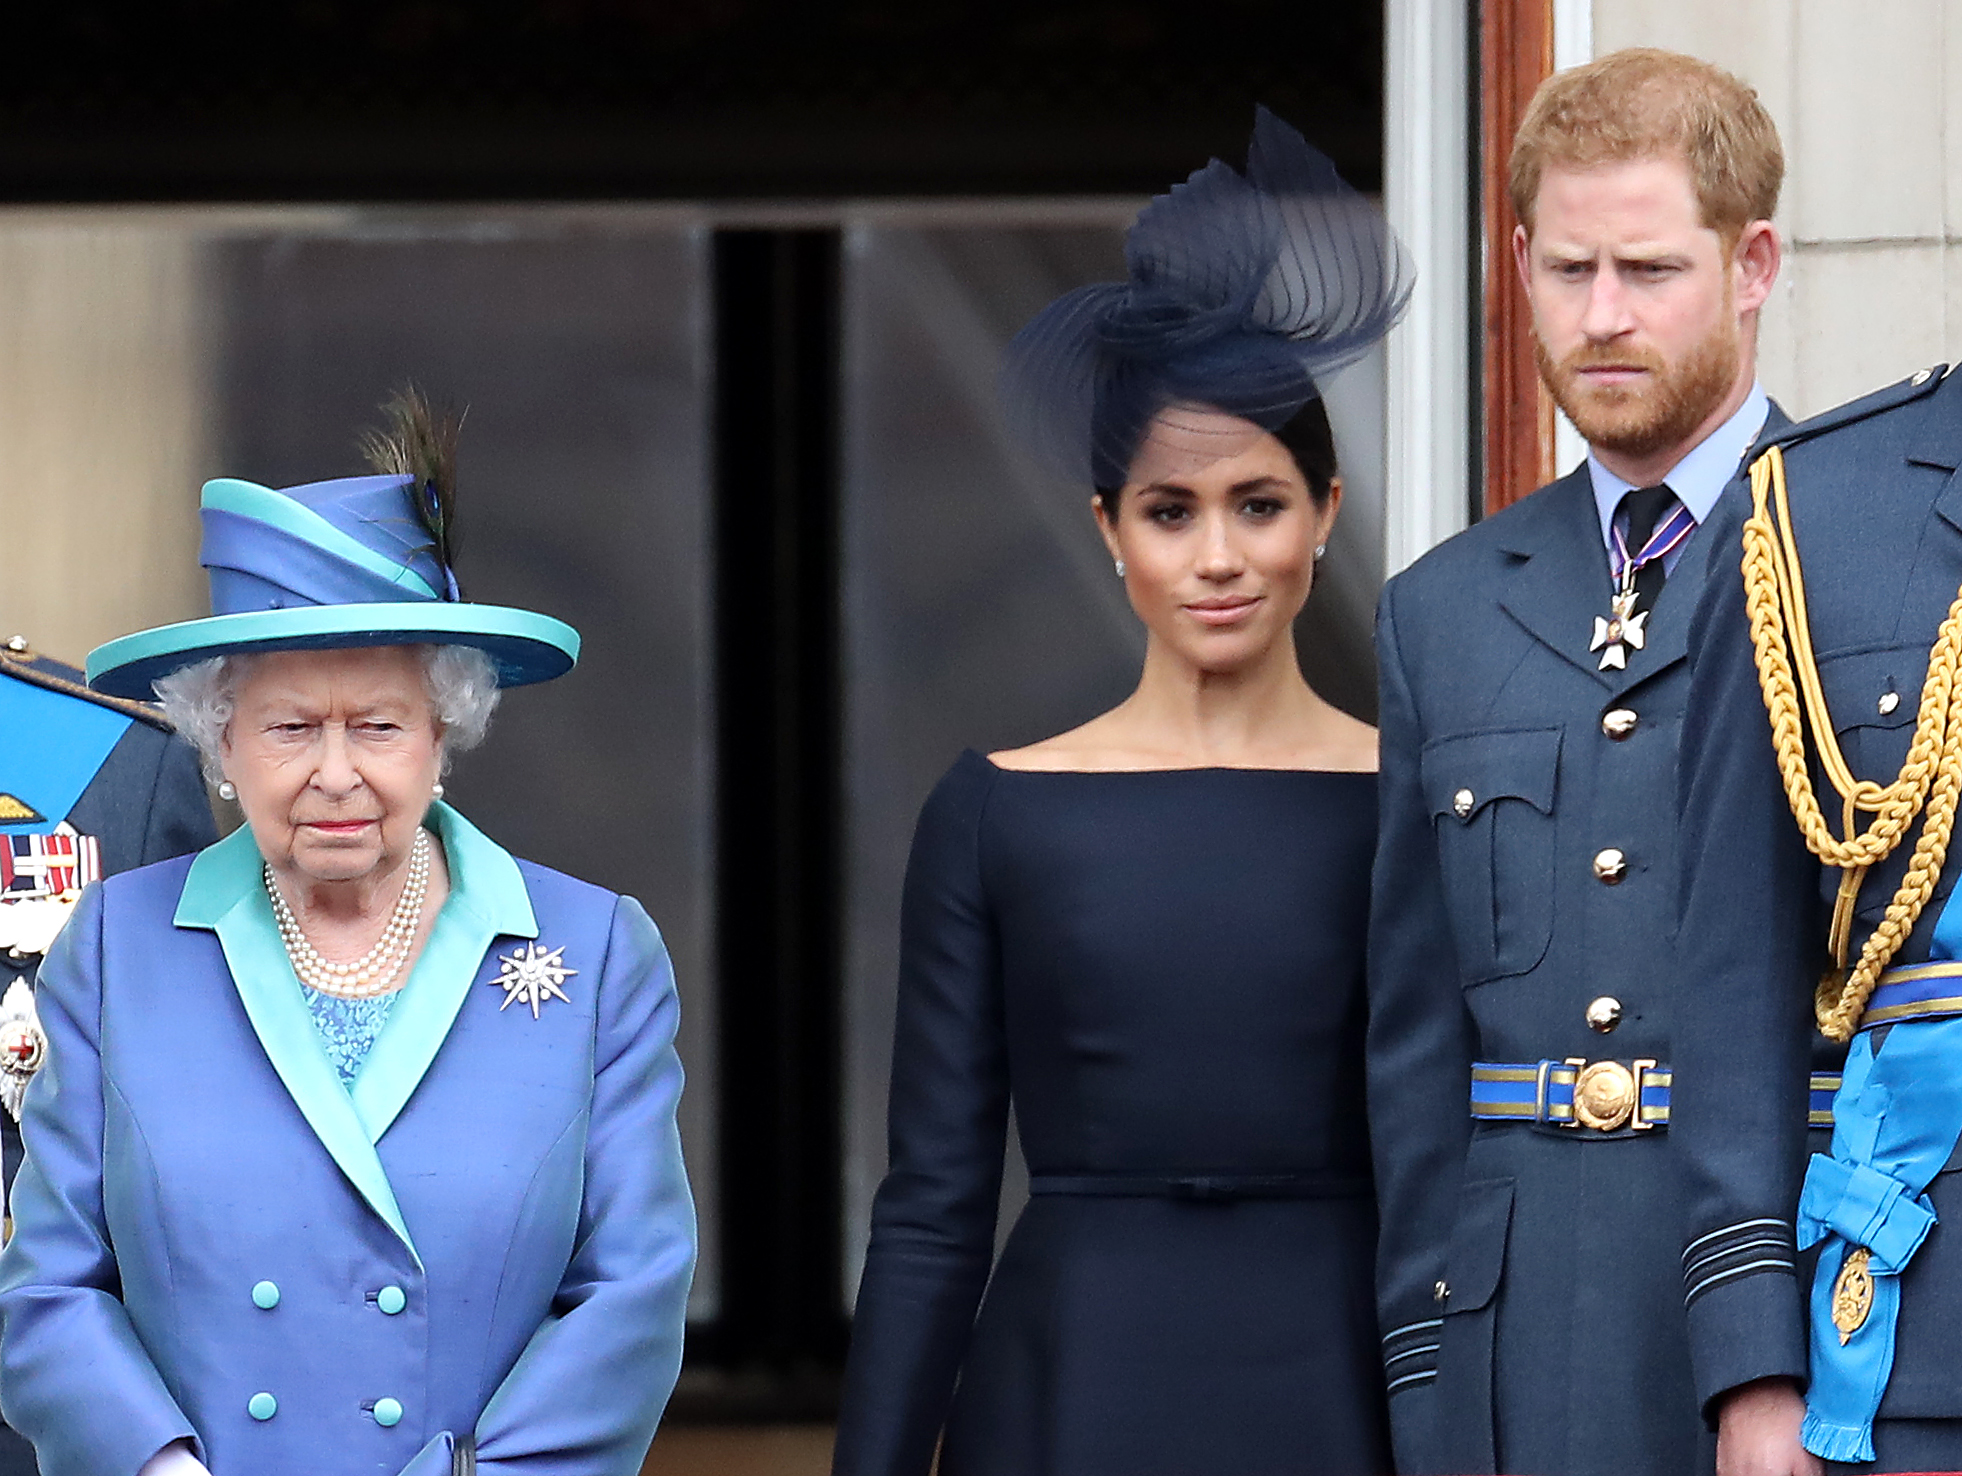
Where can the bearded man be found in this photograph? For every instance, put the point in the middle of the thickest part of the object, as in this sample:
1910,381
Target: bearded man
1532,673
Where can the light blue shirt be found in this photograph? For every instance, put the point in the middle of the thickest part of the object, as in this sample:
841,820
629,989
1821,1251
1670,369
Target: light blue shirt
1698,479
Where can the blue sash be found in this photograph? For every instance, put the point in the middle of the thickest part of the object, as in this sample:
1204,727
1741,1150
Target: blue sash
1896,1121
51,745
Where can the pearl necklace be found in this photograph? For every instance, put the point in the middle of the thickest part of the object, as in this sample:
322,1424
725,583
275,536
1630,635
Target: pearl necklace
374,972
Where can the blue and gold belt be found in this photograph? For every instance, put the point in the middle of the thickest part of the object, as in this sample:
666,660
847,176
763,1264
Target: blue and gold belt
1926,991
1605,1096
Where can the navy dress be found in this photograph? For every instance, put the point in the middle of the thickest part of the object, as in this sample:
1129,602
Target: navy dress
1164,972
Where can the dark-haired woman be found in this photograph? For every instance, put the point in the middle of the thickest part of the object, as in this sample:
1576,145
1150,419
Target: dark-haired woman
1147,933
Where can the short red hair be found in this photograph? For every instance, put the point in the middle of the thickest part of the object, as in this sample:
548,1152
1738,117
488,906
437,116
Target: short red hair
1644,103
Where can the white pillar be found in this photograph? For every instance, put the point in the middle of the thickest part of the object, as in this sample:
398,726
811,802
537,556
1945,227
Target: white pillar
102,408
1427,169
1573,33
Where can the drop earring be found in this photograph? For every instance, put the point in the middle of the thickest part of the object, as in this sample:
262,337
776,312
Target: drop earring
227,790
1120,568
436,790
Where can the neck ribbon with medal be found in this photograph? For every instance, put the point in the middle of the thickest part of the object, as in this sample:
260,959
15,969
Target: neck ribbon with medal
1623,628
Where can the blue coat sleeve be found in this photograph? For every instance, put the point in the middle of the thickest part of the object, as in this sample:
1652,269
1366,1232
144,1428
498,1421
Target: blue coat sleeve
1420,1046
1750,949
933,1221
66,1342
587,1392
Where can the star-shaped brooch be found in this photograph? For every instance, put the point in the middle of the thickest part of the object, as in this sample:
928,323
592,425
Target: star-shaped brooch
531,976
1619,632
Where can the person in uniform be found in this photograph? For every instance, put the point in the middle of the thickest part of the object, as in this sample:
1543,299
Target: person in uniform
1822,756
355,1150
1523,1031
90,785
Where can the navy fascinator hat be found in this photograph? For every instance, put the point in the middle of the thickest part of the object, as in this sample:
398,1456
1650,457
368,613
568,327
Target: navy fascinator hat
1244,290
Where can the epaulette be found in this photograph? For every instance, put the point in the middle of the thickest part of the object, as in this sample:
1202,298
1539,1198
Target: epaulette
1917,386
18,659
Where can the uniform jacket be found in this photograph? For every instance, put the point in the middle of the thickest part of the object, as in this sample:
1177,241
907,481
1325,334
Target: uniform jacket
1877,508
108,769
136,788
490,1235
1527,1271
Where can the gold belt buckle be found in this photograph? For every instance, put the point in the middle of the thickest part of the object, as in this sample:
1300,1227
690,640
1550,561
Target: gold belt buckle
1608,1095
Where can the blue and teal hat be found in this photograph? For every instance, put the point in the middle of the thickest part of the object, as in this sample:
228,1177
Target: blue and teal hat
328,565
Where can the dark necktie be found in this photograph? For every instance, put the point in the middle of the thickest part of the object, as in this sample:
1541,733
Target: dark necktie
1643,508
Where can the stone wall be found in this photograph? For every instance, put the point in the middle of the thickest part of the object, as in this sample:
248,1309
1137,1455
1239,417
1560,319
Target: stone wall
1872,209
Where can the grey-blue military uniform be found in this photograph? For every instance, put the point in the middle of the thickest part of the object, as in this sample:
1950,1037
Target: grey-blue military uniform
1523,911
1876,508
107,782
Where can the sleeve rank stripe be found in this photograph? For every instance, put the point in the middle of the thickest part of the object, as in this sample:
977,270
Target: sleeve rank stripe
1740,1226
1424,1376
1704,1262
1411,1353
1411,1327
1750,1269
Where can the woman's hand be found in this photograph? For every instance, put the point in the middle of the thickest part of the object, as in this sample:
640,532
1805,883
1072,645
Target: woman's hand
1758,1432
175,1459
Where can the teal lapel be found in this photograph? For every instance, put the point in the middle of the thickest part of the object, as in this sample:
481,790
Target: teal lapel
487,901
223,893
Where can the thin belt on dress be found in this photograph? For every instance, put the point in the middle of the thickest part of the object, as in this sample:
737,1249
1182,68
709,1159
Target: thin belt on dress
1315,1184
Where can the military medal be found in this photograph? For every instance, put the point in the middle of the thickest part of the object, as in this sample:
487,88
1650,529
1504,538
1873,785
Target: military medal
23,1047
1853,1293
1620,630
531,976
41,879
1623,628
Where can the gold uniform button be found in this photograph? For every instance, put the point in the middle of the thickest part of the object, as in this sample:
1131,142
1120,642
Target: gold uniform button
1463,802
1604,1013
1619,722
1888,702
1610,866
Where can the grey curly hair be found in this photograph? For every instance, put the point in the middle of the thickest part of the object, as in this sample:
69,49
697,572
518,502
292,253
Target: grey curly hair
462,684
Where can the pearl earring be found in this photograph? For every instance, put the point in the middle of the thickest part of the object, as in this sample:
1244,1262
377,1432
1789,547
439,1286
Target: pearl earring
1120,568
436,790
1320,549
227,790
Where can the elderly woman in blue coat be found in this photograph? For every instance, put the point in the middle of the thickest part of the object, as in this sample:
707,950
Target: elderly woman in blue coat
355,1149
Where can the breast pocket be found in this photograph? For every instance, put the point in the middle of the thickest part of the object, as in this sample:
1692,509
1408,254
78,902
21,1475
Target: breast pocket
1491,797
1874,697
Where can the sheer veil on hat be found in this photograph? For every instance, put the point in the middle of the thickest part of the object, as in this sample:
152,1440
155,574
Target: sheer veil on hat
1243,291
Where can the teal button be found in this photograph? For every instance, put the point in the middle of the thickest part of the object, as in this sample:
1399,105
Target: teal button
388,1412
262,1406
265,1296
392,1299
